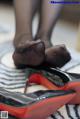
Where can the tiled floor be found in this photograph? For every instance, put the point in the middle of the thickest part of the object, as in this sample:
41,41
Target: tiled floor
64,33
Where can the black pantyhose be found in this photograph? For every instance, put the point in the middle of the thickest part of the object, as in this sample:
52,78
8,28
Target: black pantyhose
32,52
27,51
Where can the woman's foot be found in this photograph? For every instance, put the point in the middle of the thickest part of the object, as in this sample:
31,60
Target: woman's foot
30,54
57,56
44,39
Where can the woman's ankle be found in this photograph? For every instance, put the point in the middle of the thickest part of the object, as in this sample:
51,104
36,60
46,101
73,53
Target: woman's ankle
21,38
45,38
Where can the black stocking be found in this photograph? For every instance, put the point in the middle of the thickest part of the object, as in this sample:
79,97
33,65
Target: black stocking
55,56
27,51
48,17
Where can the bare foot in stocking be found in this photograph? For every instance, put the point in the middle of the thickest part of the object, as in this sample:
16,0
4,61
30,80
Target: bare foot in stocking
57,56
29,53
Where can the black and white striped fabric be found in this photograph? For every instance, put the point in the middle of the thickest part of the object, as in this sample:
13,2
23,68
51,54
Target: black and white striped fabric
10,78
13,79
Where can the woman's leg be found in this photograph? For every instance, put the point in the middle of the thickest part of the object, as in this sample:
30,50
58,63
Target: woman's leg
24,10
32,52
55,56
48,17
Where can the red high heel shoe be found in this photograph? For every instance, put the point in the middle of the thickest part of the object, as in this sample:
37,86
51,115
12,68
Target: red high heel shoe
37,105
71,82
74,84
